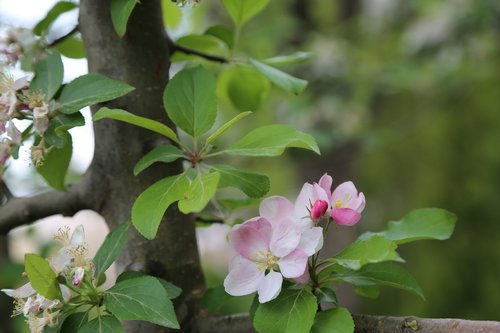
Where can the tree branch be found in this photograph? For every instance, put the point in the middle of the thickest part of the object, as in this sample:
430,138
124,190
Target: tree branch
363,324
20,211
207,56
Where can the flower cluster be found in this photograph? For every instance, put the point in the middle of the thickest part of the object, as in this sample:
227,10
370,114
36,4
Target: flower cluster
14,43
279,242
18,102
69,262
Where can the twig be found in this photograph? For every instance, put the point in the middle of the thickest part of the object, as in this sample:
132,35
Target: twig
207,56
20,211
64,37
5,190
363,324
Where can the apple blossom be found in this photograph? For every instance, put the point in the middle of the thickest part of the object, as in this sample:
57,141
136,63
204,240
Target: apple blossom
347,204
78,276
73,253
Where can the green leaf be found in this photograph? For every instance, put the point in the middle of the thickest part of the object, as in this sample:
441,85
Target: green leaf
56,133
111,248
243,10
190,100
74,322
172,14
254,185
71,47
56,163
141,298
48,76
41,276
272,140
291,312
150,206
120,13
373,250
216,299
163,153
58,9
326,294
223,33
202,43
243,87
122,115
420,224
383,274
102,324
199,193
372,292
90,89
336,320
294,58
237,203
280,78
226,126
172,290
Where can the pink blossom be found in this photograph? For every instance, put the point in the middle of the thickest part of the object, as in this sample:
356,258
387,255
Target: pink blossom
347,204
266,254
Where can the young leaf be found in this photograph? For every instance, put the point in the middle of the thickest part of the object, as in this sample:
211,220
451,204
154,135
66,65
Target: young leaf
384,274
326,294
163,153
252,184
71,47
41,276
59,8
272,140
172,290
120,13
111,248
122,115
90,89
102,324
190,100
56,134
280,78
336,320
150,206
373,250
294,58
226,126
223,33
291,312
56,163
141,298
420,224
48,76
243,87
199,193
243,10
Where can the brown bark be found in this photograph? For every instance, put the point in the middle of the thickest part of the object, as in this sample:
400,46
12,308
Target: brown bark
141,59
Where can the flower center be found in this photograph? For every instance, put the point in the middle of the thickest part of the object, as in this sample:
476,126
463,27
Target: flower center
265,260
338,204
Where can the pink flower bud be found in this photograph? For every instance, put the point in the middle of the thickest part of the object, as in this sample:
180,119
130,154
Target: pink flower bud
318,209
78,277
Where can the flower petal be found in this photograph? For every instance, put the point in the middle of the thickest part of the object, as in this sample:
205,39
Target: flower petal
304,278
243,279
248,241
270,286
276,209
311,240
285,238
294,264
346,216
345,193
326,183
21,292
78,236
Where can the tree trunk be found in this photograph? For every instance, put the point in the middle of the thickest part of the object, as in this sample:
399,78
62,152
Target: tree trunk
141,59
